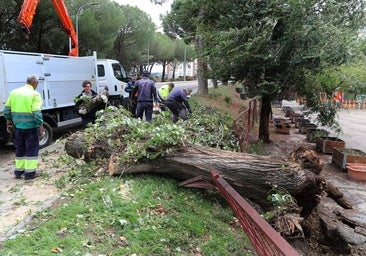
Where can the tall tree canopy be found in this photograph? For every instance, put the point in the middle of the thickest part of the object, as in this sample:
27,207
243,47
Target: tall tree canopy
273,46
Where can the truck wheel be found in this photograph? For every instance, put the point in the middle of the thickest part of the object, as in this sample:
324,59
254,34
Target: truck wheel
46,140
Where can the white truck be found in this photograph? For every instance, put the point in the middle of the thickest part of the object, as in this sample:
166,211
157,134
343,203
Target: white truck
60,79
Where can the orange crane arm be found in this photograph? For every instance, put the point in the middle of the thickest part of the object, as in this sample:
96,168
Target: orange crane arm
28,10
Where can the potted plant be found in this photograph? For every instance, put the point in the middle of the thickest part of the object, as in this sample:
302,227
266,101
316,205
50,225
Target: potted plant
306,125
281,125
295,116
312,133
299,121
344,156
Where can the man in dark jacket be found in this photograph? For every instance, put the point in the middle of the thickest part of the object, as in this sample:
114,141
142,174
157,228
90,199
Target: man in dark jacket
145,87
177,102
132,99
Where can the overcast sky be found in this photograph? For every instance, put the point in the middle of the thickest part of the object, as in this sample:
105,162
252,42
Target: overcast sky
154,10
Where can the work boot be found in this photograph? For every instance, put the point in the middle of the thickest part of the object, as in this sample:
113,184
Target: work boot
31,175
18,174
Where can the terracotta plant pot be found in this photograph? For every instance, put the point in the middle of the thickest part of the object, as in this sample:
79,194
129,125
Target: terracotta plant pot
326,144
344,156
356,171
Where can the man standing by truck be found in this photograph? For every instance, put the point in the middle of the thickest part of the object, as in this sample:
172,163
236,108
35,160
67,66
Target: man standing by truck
23,109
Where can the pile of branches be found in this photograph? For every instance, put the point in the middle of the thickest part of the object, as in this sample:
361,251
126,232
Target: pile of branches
116,133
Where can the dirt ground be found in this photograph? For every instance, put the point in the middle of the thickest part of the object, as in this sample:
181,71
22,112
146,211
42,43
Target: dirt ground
21,199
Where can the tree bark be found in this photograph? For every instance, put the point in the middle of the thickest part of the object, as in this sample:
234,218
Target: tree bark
253,176
264,119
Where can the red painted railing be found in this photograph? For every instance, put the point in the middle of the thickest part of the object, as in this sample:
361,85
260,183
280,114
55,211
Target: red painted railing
265,240
244,125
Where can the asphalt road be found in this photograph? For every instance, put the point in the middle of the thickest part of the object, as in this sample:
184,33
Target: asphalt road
352,123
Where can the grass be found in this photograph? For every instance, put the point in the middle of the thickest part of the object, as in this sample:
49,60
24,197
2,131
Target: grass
223,98
133,215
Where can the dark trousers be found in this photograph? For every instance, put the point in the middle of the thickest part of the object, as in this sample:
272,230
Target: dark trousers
177,109
132,104
88,118
144,107
26,142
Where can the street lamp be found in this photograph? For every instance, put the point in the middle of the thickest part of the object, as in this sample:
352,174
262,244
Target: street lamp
81,8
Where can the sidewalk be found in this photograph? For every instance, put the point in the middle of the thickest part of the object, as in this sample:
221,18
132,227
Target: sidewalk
353,123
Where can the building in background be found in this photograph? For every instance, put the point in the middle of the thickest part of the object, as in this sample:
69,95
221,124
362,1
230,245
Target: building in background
189,74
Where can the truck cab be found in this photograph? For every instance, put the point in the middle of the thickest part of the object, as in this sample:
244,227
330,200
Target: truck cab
112,75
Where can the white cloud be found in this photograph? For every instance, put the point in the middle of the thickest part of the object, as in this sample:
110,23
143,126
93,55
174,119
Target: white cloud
154,10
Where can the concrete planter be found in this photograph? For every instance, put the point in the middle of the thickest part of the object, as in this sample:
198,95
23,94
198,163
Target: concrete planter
326,144
295,116
304,126
299,121
282,125
344,156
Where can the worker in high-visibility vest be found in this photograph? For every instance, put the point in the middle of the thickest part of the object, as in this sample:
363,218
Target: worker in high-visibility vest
163,93
23,109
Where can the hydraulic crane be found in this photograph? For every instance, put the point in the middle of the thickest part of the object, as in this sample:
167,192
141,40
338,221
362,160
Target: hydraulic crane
28,11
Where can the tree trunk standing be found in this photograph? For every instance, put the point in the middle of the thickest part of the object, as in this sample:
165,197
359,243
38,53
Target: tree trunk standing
264,119
201,61
165,62
201,77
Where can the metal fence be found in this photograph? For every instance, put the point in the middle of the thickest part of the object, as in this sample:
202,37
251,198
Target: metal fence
244,124
265,240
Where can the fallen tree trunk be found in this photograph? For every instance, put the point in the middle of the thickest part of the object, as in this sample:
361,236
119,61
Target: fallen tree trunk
253,176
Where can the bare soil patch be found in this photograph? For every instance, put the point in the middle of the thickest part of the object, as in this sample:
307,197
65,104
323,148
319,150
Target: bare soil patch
21,199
